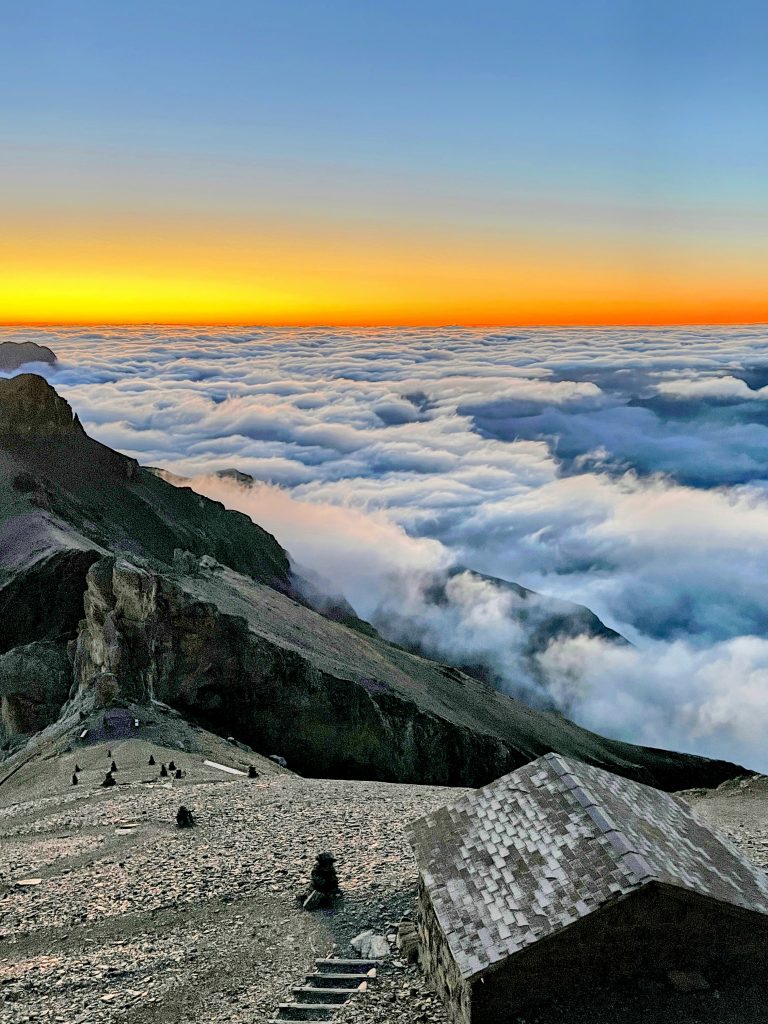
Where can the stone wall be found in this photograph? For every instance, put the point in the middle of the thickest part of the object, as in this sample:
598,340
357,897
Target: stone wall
437,962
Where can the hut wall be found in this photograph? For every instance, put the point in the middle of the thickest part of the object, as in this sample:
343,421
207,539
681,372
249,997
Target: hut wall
644,935
437,961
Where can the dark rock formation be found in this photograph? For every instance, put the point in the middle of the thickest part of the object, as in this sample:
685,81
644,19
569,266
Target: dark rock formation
30,407
35,680
14,354
44,600
108,781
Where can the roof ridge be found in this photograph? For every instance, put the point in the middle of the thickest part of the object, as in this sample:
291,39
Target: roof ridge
624,850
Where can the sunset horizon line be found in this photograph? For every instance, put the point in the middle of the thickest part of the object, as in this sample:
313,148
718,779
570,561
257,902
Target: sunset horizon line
586,324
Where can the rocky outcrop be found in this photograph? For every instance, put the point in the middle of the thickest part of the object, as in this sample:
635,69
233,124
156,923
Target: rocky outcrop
44,600
245,660
14,354
35,680
30,407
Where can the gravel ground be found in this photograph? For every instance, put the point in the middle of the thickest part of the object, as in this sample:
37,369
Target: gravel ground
136,921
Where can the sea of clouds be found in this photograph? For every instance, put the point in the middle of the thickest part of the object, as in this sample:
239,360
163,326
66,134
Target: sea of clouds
622,469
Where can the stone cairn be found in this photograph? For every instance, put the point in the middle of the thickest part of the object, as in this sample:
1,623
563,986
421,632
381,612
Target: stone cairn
163,772
151,759
113,767
252,773
325,883
108,781
75,780
184,817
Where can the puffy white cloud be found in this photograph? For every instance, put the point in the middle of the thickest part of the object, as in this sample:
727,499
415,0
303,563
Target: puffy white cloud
716,696
727,388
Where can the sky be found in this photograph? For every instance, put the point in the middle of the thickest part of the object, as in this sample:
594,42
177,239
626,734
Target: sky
624,469
419,162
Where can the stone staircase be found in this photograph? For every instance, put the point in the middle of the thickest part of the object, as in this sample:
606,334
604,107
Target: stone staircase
333,983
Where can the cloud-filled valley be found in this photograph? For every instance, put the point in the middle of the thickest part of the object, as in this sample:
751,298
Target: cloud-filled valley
624,470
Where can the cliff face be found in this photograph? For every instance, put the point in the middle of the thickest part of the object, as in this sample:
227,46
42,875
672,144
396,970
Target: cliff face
149,636
30,407
35,680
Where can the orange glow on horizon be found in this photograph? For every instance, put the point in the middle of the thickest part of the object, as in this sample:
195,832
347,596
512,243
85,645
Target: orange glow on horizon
65,271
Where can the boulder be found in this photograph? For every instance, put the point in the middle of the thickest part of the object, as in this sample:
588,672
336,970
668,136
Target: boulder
370,946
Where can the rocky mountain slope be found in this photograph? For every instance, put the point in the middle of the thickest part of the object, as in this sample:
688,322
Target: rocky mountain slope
541,618
117,586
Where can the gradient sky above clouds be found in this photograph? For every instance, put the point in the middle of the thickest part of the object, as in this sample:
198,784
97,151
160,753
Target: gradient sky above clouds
343,162
623,469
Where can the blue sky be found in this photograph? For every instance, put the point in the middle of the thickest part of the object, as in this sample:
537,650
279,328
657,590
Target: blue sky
612,91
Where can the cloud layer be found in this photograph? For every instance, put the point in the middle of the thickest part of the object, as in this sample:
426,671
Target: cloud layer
625,470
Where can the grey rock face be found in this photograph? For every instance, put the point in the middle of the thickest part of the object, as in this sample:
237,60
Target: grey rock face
29,406
34,683
14,354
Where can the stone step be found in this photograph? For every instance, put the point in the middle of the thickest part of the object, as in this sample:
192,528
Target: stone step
309,994
335,966
350,981
306,1011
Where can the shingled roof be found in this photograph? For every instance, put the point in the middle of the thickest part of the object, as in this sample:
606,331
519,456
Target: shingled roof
556,840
